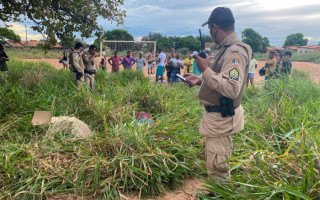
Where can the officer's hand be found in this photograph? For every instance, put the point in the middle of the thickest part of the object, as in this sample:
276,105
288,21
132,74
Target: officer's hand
192,78
202,63
82,74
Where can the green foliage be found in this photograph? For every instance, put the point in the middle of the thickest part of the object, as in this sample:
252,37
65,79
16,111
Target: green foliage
152,37
183,51
205,38
115,34
165,43
189,42
296,39
255,40
7,34
276,156
61,18
121,156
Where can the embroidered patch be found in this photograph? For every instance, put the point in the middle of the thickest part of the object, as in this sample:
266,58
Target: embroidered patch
75,59
235,62
234,74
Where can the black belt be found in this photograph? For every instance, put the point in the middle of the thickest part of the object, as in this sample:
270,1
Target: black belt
217,109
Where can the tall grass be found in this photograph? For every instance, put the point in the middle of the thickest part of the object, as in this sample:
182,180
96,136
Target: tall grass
122,156
277,156
30,53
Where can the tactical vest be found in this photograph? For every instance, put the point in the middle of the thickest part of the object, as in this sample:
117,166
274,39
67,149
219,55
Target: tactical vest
212,96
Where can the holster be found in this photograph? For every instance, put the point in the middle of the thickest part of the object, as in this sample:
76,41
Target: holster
89,71
227,107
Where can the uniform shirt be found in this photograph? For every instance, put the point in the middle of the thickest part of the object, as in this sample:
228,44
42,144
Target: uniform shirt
162,56
225,77
77,62
252,65
127,62
188,69
140,62
271,67
115,62
89,65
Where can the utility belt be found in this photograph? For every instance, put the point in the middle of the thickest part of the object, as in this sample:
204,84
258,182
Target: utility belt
87,71
226,107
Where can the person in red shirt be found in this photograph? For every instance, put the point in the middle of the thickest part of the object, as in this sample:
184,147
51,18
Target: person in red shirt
116,62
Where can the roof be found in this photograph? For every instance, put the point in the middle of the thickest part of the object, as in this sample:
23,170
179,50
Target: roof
35,43
292,47
208,44
274,48
310,46
14,44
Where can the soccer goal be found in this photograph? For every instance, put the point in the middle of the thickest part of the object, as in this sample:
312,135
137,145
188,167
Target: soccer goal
109,46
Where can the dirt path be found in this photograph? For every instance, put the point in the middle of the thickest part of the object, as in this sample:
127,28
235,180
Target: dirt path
312,68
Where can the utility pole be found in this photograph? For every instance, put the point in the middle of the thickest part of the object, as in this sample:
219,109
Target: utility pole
26,35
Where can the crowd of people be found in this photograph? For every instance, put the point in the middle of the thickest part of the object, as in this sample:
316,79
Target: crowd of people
159,63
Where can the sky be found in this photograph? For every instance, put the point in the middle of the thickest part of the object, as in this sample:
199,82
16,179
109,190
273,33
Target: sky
274,19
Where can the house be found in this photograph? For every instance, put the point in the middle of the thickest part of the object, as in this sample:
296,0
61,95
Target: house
30,44
36,44
274,48
292,48
308,48
9,44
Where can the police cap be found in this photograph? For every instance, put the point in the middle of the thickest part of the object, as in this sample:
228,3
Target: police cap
220,15
78,45
93,47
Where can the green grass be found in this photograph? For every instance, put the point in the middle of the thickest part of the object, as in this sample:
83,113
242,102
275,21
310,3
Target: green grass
28,53
308,57
121,156
276,156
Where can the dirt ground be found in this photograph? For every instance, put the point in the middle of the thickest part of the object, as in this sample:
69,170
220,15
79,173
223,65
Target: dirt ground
189,190
312,68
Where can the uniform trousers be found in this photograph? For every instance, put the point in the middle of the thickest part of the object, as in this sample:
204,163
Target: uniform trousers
89,80
75,80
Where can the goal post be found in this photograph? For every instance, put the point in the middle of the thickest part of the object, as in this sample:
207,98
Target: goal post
124,46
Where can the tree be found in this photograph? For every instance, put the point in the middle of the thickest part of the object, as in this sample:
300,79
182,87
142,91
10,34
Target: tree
189,42
165,43
152,37
7,34
265,44
205,38
255,40
295,40
115,34
54,19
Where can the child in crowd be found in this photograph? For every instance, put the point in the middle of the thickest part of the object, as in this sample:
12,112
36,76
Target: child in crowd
252,67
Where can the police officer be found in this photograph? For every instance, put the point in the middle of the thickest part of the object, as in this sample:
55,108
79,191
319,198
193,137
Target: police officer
89,61
222,84
77,64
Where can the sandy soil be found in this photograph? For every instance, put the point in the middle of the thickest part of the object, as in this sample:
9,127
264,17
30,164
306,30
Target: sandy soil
312,68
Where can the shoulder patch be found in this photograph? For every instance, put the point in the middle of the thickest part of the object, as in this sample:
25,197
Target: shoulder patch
234,74
235,62
75,58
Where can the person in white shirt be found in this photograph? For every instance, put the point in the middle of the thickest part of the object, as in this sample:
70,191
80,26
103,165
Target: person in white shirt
177,64
160,67
141,62
253,65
